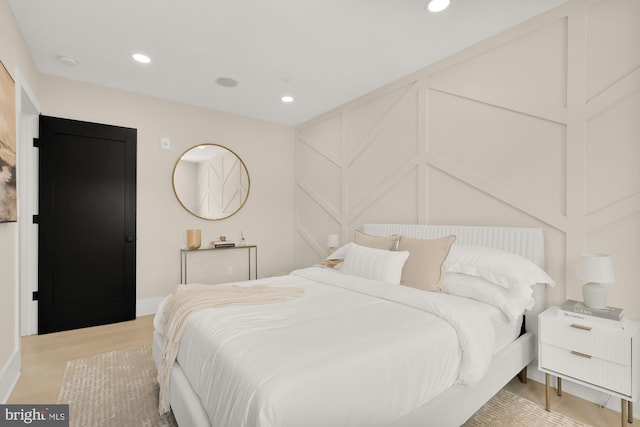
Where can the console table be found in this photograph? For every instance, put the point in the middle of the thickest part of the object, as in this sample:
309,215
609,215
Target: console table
184,259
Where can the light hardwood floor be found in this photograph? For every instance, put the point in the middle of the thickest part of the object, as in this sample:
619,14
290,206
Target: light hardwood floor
44,358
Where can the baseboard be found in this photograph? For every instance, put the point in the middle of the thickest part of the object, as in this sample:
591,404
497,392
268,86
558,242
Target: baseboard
9,376
146,306
597,397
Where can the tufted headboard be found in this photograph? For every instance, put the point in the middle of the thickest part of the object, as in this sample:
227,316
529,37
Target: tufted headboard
526,242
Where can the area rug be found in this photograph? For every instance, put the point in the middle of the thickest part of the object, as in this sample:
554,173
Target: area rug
117,388
508,409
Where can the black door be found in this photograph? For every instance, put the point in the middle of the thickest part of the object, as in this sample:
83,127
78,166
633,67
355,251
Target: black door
87,224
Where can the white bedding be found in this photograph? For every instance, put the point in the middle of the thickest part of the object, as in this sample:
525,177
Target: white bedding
298,363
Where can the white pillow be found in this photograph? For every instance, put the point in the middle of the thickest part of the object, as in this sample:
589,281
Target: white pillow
506,269
479,289
376,264
341,252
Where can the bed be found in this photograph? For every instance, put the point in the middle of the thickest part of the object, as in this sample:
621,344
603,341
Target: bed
277,365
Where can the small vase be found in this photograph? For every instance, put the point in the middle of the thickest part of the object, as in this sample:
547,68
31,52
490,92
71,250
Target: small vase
193,239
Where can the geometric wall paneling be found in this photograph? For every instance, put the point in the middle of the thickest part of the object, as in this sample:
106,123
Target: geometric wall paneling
494,190
537,126
621,240
390,148
323,136
555,264
314,215
319,175
453,201
308,253
613,213
375,173
613,144
611,54
398,202
314,223
527,73
613,94
367,117
521,153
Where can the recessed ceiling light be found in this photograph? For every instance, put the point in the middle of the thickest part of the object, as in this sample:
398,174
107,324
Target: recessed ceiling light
227,82
143,59
67,60
437,5
287,98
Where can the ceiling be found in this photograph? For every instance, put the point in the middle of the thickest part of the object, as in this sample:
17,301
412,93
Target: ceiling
322,52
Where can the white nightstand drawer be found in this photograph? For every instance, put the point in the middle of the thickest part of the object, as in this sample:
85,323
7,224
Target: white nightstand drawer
606,343
601,373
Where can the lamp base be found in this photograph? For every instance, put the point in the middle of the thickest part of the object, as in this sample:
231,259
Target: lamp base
594,295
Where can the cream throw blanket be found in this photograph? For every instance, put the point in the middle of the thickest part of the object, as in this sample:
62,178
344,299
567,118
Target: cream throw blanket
187,299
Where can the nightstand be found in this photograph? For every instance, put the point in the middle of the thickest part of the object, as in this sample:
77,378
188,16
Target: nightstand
597,353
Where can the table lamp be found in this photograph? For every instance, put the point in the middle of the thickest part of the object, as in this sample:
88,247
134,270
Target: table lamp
595,269
333,241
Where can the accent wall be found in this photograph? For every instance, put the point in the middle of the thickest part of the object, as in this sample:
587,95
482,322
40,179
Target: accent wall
536,127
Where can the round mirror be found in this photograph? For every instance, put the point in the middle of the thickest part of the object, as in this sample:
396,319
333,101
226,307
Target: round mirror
211,181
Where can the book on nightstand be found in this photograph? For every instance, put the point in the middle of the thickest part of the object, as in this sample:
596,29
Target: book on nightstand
577,307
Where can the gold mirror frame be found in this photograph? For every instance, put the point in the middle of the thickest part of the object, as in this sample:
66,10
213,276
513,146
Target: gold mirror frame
211,181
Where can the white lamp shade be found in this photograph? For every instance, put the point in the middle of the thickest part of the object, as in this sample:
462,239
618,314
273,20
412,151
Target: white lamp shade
597,268
333,241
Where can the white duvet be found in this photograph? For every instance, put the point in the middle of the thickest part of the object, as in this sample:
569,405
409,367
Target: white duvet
350,352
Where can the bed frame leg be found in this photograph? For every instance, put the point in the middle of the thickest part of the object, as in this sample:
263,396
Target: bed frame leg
522,375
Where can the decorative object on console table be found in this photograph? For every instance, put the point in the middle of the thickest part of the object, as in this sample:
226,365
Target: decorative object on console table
193,239
596,353
611,313
333,241
223,244
595,269
242,239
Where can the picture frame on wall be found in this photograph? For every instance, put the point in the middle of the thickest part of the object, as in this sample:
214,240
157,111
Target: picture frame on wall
8,190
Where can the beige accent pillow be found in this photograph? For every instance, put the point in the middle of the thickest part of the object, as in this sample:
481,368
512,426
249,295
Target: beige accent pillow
388,243
425,267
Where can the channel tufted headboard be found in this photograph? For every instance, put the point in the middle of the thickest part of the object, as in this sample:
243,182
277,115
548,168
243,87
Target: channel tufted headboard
526,242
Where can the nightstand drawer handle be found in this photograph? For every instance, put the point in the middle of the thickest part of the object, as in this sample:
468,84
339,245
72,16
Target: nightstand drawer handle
584,328
577,353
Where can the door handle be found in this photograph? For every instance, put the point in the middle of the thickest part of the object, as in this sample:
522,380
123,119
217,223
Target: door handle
130,239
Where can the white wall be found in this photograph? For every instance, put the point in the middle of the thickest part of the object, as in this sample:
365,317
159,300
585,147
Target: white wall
267,150
537,126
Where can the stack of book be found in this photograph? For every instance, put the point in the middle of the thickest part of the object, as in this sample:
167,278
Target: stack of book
578,308
224,244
